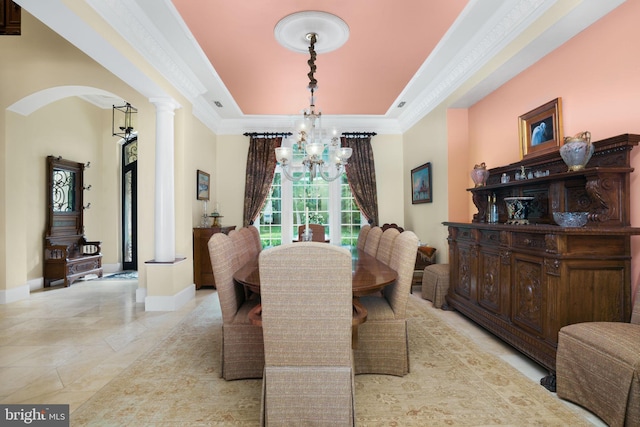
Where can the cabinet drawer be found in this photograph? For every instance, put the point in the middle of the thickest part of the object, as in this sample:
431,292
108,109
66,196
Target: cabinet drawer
532,241
490,237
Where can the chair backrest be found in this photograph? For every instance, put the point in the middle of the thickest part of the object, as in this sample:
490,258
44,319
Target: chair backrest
362,237
373,240
386,244
306,296
224,263
243,248
403,260
386,226
248,237
316,229
255,233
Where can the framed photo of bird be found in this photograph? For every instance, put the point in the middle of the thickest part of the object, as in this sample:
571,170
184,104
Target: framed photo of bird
540,129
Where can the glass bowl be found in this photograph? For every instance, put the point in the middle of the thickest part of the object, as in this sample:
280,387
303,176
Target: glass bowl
570,219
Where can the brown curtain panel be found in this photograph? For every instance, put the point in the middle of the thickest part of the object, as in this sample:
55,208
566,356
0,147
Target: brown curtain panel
361,174
261,166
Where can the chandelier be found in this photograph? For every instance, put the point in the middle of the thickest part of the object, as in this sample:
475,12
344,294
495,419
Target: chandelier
312,139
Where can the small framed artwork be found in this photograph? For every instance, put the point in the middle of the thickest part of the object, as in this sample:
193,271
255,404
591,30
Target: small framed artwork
540,129
421,184
202,182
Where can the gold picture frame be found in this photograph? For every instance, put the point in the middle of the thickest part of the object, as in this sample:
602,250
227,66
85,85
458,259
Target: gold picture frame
540,129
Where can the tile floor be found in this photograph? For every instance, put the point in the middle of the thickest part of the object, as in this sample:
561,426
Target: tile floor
64,344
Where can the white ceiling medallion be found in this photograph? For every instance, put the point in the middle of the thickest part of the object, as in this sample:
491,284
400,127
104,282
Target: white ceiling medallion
291,31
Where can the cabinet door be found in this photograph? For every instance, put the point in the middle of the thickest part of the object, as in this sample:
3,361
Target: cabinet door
489,280
528,310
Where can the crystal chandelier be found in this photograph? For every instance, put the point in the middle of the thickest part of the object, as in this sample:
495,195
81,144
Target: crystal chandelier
312,139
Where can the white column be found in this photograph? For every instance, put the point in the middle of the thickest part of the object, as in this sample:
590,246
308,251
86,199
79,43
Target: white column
165,226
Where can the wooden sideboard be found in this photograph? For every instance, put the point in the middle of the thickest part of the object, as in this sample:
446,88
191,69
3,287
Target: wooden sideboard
202,273
525,282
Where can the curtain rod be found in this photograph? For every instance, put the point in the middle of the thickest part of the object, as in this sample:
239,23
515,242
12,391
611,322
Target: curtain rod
267,134
358,134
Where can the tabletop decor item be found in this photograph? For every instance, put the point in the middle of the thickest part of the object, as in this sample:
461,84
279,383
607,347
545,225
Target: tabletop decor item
518,210
479,175
570,219
577,150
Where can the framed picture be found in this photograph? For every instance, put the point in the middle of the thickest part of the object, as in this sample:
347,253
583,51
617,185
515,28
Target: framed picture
421,184
202,183
541,129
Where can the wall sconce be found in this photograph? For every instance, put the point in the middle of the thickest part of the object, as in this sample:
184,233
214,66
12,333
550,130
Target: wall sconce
123,120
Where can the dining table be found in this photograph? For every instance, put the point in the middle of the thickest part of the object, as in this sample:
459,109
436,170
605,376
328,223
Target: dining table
369,276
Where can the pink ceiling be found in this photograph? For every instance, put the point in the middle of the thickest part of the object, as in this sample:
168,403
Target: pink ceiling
389,40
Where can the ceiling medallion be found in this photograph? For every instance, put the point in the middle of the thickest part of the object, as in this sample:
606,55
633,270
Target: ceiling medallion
331,31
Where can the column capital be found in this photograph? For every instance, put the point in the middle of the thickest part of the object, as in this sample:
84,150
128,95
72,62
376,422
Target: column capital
169,104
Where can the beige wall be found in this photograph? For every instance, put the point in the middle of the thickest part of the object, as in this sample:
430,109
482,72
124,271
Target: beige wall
427,142
75,129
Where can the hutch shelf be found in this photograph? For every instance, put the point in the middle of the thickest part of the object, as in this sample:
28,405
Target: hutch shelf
525,282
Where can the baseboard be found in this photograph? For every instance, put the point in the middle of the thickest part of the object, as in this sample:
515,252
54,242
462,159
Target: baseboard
16,294
172,302
141,294
111,268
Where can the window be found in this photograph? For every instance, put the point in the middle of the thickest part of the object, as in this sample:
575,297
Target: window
330,204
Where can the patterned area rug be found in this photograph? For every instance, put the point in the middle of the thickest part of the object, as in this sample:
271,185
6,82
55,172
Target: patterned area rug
123,275
452,383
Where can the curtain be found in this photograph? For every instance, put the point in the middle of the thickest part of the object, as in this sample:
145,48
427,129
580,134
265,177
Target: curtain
261,166
361,174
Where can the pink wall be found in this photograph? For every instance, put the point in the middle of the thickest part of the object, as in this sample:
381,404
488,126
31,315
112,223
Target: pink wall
457,137
597,75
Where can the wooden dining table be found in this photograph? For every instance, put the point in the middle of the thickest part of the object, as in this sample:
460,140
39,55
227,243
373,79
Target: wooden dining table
369,275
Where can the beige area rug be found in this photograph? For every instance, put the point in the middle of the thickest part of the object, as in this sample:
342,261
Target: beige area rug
452,383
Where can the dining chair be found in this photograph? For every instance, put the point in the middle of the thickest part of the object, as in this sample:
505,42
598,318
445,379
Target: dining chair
598,367
255,233
242,343
373,240
383,254
383,346
362,236
248,237
316,229
243,248
306,320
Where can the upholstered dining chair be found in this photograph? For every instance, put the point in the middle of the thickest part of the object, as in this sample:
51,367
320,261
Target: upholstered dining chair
316,229
598,367
373,240
255,234
242,344
383,346
362,236
244,248
306,320
383,254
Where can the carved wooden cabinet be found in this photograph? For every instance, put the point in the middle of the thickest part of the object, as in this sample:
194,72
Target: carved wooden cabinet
202,272
524,282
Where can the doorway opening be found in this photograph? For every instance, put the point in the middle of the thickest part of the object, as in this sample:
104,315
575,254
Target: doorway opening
130,204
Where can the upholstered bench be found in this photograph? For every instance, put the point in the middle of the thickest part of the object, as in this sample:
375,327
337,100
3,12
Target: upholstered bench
435,283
